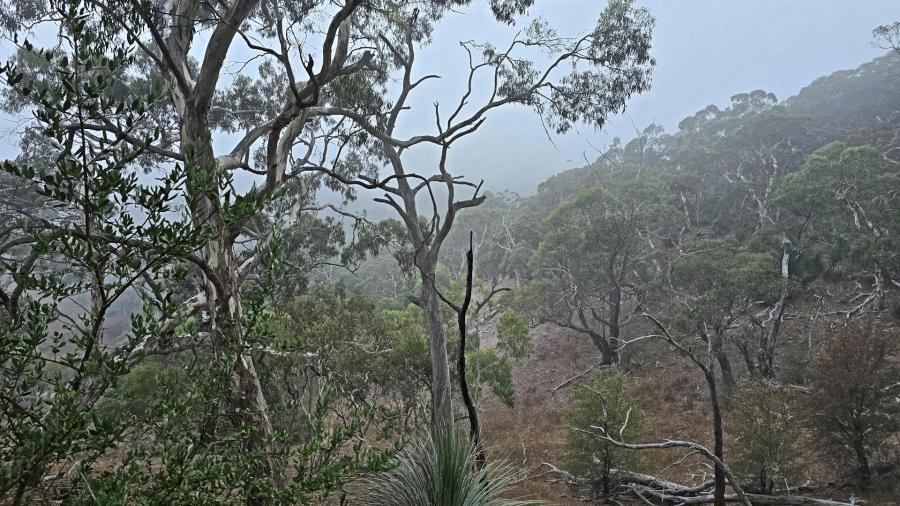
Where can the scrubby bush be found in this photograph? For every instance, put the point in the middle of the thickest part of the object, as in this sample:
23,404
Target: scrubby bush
768,450
138,390
513,340
854,398
602,405
488,369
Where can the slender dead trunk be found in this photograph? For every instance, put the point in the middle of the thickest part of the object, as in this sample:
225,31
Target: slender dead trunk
461,311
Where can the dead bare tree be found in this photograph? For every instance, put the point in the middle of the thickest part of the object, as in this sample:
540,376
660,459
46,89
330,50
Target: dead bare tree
461,311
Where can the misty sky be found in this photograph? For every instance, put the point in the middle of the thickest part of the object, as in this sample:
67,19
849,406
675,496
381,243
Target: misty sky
706,51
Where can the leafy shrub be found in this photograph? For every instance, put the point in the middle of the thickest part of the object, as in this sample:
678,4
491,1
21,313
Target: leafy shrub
604,402
167,460
370,353
487,368
768,450
138,390
441,471
853,400
513,340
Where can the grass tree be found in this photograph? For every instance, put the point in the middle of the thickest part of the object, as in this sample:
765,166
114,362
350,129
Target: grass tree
441,470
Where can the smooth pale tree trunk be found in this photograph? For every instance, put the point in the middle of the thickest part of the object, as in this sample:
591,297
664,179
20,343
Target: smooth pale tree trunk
771,327
768,339
441,398
222,288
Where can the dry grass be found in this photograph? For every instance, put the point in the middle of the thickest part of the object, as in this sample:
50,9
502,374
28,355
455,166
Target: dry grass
532,432
670,391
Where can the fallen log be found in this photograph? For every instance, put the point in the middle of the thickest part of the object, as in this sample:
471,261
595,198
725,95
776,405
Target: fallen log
669,492
629,477
755,499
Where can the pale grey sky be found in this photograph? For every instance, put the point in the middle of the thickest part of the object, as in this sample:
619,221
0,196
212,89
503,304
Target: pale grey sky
706,51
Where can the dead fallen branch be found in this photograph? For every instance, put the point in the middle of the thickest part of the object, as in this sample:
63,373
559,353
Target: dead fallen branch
755,499
660,484
597,365
646,487
672,443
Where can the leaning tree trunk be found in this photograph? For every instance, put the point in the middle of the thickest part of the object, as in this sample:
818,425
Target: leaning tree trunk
441,401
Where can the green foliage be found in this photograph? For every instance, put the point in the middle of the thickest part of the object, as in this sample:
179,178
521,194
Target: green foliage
487,368
169,461
602,405
371,353
136,391
770,436
83,421
723,280
595,257
854,226
109,231
441,471
513,340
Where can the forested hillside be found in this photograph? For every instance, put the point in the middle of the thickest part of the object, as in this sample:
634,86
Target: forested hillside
757,242
189,316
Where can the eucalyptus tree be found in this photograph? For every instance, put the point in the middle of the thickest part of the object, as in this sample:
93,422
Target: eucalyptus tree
737,154
842,204
289,123
716,286
596,260
95,234
310,100
713,286
584,79
888,35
